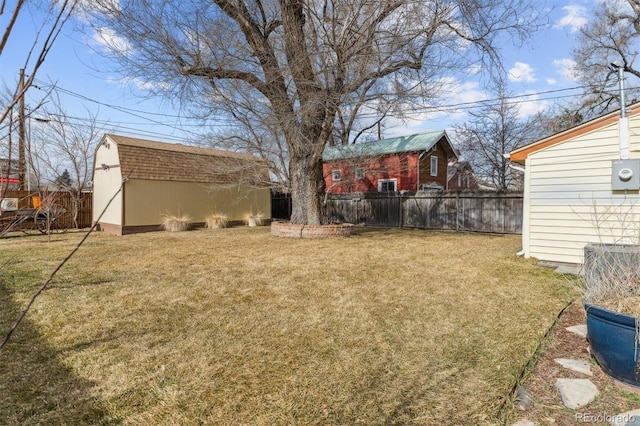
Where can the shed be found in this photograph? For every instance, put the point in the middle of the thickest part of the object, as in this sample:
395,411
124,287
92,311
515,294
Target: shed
173,179
571,193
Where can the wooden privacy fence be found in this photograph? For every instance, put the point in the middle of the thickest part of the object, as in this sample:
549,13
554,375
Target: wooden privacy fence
63,199
280,205
460,211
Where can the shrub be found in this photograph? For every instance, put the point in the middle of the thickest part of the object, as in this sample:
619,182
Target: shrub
612,277
176,223
217,220
255,219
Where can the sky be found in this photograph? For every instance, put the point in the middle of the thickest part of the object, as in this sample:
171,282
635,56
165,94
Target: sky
539,73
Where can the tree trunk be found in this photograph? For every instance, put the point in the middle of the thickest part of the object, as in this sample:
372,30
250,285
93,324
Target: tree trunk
307,189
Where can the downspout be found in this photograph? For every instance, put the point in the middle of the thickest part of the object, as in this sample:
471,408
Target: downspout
525,221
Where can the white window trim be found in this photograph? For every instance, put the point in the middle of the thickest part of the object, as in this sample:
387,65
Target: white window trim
336,175
395,183
360,172
434,170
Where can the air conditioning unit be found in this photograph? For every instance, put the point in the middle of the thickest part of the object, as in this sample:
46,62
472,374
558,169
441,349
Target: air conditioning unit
9,204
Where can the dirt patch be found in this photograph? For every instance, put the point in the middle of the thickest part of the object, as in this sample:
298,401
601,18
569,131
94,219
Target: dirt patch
547,407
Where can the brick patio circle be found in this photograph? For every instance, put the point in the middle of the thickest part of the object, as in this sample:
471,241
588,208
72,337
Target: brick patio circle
290,230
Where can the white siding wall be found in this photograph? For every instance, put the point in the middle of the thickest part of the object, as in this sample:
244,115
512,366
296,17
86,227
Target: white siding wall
106,183
570,202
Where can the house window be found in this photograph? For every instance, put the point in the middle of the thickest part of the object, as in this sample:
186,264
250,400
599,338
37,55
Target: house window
359,173
434,165
387,185
336,175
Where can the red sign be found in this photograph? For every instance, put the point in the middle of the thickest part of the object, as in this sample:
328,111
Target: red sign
9,180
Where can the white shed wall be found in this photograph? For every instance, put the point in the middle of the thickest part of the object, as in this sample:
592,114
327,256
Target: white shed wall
106,183
568,198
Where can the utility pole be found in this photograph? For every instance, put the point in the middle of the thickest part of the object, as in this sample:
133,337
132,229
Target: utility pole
22,160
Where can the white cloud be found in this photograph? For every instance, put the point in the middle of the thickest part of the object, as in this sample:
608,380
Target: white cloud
522,72
469,92
531,104
107,37
455,92
574,18
474,69
138,83
566,68
552,81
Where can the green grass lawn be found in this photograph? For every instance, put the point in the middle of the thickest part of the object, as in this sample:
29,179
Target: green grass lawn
234,326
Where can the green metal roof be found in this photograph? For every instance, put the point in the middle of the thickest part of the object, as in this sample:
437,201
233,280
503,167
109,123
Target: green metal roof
411,143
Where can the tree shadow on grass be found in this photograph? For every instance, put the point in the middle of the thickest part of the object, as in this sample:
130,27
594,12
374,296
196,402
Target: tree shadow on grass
35,386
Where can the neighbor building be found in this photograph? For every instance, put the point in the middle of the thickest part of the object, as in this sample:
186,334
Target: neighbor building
405,163
9,178
460,176
163,179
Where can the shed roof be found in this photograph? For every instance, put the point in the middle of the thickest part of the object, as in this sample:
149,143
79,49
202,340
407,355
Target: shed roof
520,155
153,160
411,143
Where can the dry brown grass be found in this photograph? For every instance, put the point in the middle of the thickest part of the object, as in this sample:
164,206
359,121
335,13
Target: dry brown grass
385,327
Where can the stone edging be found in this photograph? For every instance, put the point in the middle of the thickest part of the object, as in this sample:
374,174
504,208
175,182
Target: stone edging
289,230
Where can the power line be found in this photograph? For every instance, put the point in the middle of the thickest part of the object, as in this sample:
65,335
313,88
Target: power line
135,113
539,96
460,105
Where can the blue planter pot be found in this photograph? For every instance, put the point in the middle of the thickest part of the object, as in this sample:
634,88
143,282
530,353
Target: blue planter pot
612,340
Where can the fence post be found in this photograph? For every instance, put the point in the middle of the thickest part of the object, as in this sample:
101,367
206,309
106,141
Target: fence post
400,211
457,211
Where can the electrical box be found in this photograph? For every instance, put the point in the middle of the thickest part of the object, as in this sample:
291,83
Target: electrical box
9,204
625,175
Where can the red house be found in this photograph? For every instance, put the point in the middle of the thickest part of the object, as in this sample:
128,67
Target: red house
406,163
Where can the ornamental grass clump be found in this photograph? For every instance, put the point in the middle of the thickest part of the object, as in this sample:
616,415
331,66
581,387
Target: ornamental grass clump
217,220
255,219
173,223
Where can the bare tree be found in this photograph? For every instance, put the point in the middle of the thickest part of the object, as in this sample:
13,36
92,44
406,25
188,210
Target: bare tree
493,131
47,18
62,144
255,135
558,119
613,35
306,65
